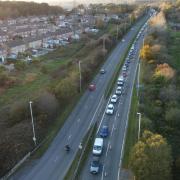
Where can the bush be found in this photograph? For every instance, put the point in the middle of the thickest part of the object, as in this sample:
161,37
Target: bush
20,65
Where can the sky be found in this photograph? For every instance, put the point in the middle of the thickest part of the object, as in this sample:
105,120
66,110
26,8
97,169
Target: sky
69,3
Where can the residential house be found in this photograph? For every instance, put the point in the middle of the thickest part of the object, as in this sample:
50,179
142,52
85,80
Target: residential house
14,47
33,42
3,36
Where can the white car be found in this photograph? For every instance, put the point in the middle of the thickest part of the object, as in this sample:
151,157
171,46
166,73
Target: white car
124,68
110,109
119,90
114,98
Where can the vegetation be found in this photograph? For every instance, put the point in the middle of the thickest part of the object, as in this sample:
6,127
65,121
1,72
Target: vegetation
151,158
46,81
160,99
11,9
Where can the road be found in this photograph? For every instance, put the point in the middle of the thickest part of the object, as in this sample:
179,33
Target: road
111,158
55,161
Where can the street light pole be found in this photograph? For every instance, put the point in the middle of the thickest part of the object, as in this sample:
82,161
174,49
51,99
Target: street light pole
139,125
32,121
80,77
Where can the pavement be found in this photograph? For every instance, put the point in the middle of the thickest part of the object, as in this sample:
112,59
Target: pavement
55,162
111,159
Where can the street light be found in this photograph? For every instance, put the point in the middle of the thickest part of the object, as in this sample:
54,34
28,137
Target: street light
139,127
32,121
80,77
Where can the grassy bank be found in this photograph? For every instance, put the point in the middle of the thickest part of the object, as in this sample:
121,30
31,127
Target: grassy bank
132,131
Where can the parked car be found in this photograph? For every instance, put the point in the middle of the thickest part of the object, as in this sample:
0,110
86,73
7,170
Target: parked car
104,131
114,98
95,165
110,109
92,87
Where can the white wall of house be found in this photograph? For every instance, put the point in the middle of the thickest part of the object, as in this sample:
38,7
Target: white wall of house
17,49
35,44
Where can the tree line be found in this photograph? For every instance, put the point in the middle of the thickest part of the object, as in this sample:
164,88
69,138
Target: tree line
157,154
14,9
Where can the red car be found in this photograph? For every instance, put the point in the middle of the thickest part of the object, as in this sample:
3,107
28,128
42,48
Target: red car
124,74
92,87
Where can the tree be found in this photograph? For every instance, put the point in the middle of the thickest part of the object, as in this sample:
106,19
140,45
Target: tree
146,53
150,158
172,117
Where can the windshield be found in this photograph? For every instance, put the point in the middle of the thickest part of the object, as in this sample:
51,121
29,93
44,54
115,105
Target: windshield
98,148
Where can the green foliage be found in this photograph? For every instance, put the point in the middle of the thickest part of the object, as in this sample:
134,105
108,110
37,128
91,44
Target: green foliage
151,158
20,65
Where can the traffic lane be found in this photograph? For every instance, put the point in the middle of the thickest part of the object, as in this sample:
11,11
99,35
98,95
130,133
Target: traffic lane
54,147
119,134
87,170
111,165
106,120
57,158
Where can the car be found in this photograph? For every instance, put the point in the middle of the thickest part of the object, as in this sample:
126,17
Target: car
124,74
120,81
92,87
124,68
95,165
114,98
123,40
110,109
104,131
98,147
102,71
119,90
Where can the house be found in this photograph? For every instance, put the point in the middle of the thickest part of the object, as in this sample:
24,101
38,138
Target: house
14,47
3,36
33,42
3,52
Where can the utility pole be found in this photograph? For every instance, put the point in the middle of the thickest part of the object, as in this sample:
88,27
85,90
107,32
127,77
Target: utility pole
80,77
139,125
32,121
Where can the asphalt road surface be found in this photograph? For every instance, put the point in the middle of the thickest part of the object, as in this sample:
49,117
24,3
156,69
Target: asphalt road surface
55,162
111,159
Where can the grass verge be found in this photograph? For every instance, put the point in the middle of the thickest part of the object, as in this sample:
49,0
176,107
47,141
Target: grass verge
132,131
81,155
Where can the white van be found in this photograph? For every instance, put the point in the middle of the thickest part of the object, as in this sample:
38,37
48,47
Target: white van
98,146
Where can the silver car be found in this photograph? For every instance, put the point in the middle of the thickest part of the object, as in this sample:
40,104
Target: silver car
95,165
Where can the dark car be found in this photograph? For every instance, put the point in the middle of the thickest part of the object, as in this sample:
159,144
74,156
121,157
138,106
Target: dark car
92,87
104,131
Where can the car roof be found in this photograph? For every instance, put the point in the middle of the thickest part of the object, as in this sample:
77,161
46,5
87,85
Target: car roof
114,95
110,105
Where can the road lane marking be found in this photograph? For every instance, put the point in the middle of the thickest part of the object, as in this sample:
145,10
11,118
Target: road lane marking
107,148
125,130
69,137
102,173
103,115
95,112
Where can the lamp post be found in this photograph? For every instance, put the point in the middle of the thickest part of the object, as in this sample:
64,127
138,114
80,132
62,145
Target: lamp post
139,125
32,121
80,77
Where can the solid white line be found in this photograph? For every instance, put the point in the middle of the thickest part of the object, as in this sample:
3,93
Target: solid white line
119,171
95,112
103,115
107,149
102,173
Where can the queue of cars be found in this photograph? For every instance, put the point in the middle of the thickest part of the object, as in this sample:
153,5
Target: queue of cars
104,131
